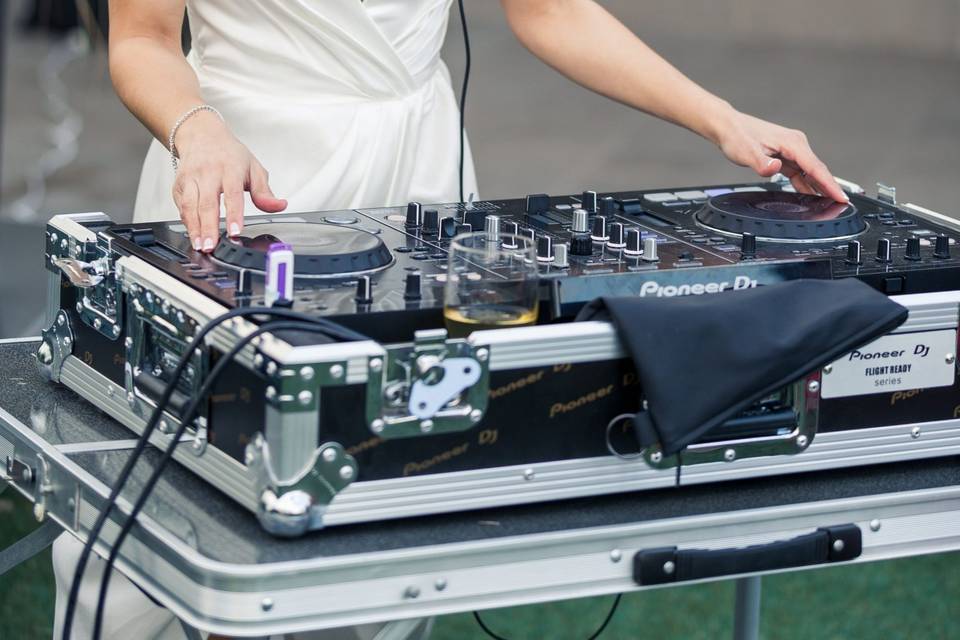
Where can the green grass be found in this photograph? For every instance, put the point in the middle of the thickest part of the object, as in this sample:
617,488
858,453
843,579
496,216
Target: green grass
913,598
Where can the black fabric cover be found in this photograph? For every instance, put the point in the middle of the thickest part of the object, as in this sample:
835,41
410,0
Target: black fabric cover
702,359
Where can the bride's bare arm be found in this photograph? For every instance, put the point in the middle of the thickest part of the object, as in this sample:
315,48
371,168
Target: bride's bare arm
155,82
609,59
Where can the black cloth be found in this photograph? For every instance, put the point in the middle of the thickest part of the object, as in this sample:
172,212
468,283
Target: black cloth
702,359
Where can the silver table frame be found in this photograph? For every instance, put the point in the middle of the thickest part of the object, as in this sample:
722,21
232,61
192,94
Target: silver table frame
255,600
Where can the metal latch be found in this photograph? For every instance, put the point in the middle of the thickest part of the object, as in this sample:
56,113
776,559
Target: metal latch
82,274
431,386
21,472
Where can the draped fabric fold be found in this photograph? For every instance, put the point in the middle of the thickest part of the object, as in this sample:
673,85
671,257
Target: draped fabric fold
703,359
347,104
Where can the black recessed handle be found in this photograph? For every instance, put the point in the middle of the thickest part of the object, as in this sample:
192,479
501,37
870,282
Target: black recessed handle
823,546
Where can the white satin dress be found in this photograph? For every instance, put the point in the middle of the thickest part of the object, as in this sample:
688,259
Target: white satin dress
347,105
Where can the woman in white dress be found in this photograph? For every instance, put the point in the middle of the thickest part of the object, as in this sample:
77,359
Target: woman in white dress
348,104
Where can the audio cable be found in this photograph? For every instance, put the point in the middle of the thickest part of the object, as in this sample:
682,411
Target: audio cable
463,92
185,420
333,330
593,636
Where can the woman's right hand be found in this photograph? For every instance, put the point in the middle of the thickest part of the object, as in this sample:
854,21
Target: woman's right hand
214,162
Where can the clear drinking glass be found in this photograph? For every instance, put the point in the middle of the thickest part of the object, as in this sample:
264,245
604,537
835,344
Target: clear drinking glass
492,283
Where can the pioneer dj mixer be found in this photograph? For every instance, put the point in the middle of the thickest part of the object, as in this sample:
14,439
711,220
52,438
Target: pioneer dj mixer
294,412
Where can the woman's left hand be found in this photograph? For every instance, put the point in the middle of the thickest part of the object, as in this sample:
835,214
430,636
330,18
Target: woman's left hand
768,148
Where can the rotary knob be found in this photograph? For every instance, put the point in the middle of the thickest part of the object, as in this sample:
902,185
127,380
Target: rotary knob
448,228
411,285
545,249
650,250
491,226
912,251
853,253
599,232
942,247
511,229
581,221
588,201
414,214
634,245
537,203
608,207
431,221
364,290
748,246
883,250
616,240
560,256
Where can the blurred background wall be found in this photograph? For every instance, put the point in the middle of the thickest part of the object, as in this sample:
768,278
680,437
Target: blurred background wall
874,83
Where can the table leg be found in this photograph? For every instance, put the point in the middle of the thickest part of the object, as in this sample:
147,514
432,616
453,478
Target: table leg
746,616
29,545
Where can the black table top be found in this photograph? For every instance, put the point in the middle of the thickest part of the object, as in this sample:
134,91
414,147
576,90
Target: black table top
222,530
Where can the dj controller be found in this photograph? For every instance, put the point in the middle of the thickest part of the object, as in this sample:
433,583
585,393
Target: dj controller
293,410
660,243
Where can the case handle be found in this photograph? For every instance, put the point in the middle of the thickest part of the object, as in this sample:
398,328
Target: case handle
823,546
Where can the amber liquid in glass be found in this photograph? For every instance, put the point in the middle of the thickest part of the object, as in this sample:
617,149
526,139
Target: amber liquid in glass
464,320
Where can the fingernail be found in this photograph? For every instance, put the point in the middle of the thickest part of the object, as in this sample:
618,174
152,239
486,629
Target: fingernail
234,229
196,244
770,161
207,244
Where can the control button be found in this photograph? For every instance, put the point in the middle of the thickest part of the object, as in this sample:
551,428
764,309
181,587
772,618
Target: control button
411,286
341,220
660,197
431,221
464,228
581,221
364,290
685,255
906,223
912,251
537,203
448,228
691,195
883,250
748,246
634,244
699,240
748,189
599,232
414,214
437,255
545,249
199,275
717,239
894,285
560,256
420,256
650,250
942,247
616,240
608,207
402,249
717,192
854,253
588,201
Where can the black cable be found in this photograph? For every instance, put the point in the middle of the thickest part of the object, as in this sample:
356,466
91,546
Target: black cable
593,636
188,415
463,93
335,330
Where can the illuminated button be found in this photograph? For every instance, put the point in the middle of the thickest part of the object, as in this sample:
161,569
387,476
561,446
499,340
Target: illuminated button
660,197
691,195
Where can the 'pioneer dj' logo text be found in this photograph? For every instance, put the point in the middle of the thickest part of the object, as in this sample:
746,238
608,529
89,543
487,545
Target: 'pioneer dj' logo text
655,289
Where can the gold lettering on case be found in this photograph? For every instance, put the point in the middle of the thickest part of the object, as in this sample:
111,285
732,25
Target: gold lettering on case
417,467
564,407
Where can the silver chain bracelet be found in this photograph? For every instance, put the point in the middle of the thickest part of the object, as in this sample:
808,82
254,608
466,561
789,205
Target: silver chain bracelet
174,157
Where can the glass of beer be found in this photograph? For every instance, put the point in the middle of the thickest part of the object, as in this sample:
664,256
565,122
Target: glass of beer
491,283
